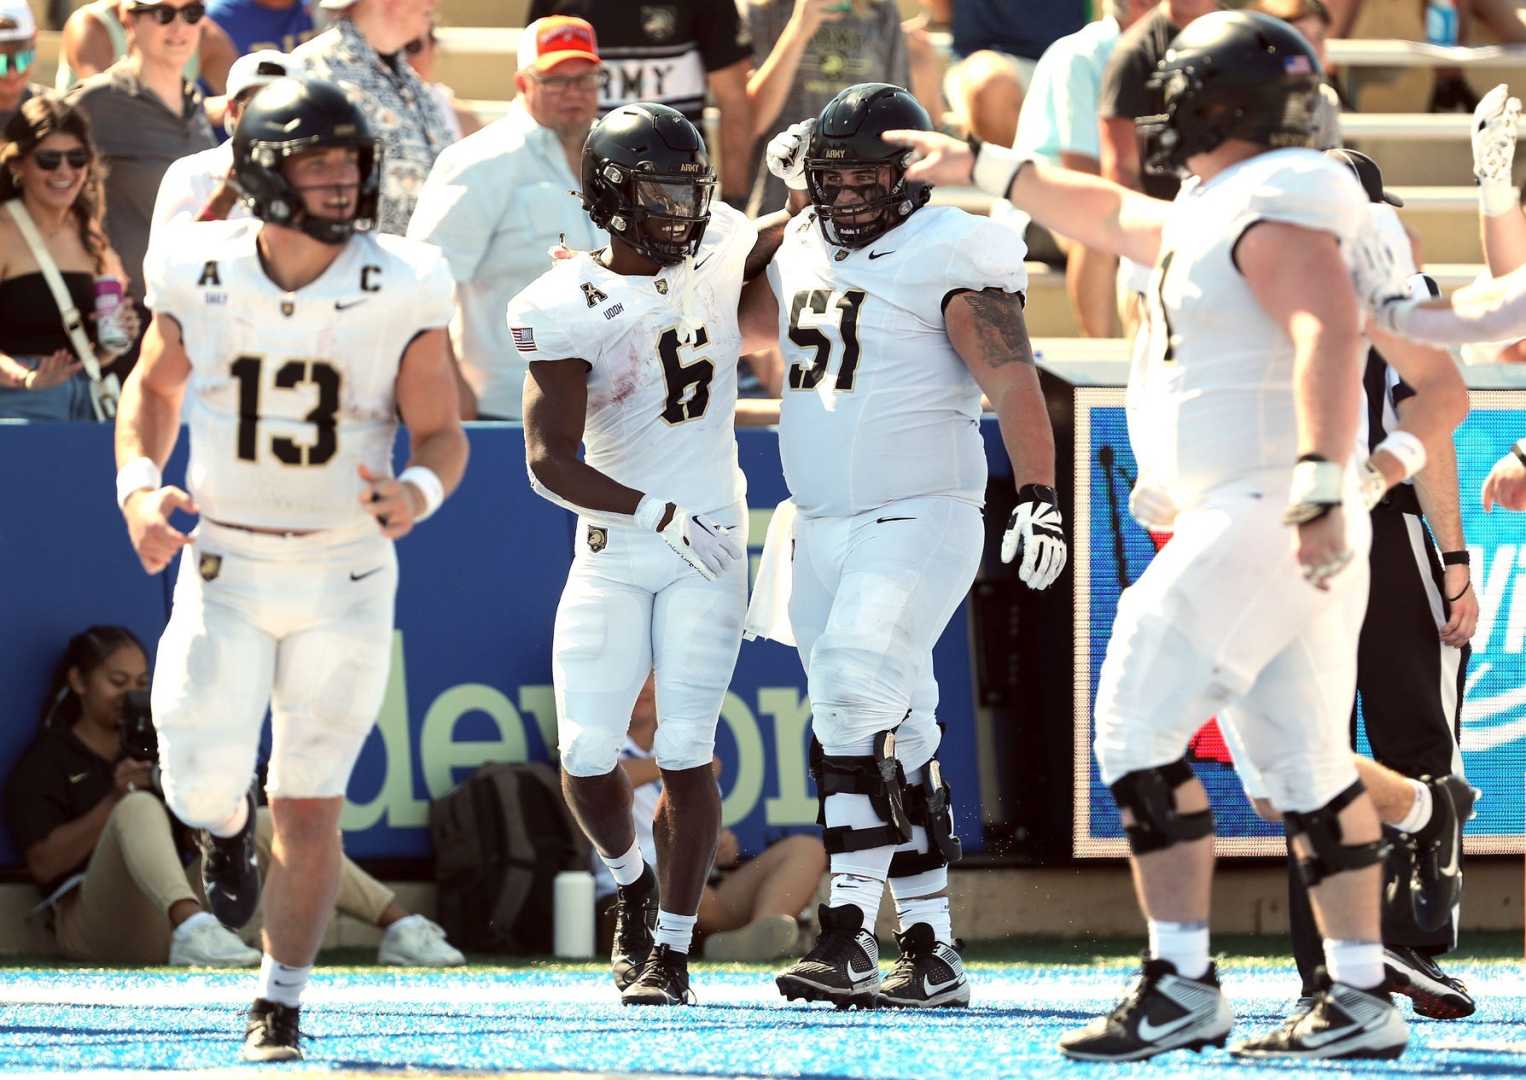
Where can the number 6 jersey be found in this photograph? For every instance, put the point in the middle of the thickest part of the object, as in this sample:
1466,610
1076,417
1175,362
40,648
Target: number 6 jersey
291,391
662,388
877,404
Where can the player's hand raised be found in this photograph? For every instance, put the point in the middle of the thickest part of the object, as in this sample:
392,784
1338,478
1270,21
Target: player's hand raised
1496,123
148,525
396,506
1035,537
786,153
703,544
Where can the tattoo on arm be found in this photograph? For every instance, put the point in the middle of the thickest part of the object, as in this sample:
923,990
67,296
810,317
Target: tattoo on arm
998,320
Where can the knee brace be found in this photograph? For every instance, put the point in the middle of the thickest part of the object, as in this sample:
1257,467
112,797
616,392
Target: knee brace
1150,796
879,776
1323,828
928,804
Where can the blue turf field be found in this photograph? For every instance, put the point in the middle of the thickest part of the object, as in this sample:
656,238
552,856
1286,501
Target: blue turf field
567,1019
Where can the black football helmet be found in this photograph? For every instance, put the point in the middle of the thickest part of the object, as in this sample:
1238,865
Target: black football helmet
1232,75
847,137
284,118
648,180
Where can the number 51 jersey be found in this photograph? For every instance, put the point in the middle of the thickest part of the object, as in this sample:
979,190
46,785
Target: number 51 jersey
291,391
662,353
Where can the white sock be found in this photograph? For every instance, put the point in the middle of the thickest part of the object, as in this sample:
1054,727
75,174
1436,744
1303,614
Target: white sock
626,868
932,910
403,924
193,922
1355,963
282,982
862,892
1185,944
1419,810
235,824
674,931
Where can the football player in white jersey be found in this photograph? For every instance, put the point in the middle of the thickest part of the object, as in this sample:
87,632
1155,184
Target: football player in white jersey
893,318
632,353
292,341
1248,394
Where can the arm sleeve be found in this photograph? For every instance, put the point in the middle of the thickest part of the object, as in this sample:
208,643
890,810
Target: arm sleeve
162,285
453,213
1315,193
1495,311
722,38
984,255
544,332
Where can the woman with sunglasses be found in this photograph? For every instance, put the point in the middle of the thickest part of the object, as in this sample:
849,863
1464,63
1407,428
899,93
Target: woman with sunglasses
46,162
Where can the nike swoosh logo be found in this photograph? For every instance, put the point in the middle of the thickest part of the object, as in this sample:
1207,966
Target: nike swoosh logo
876,254
881,521
703,261
77,779
1450,869
346,307
933,988
1151,1032
1320,1038
361,577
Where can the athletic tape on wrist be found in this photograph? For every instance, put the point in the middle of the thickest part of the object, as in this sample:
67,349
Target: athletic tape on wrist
137,475
1496,200
1408,450
424,478
649,512
996,167
1315,484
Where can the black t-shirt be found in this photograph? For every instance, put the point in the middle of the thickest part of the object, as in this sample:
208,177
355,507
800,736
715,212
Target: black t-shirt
57,780
1125,90
658,52
1019,27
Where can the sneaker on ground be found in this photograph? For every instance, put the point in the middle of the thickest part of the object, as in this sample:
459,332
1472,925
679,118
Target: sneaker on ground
202,941
663,980
1162,1011
1436,882
635,923
270,1033
844,966
1437,995
1345,1022
928,975
763,939
414,941
230,877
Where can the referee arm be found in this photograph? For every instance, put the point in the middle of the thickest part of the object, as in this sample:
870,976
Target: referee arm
1437,491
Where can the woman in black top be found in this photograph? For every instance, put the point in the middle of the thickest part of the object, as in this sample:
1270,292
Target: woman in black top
47,161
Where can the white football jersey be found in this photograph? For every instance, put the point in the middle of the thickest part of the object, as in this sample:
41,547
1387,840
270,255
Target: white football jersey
291,391
1211,387
877,404
661,401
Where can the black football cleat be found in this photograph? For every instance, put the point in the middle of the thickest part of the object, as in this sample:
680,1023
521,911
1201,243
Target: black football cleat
928,975
1437,995
271,1034
1162,1011
1436,881
230,876
843,968
662,980
635,922
1344,1022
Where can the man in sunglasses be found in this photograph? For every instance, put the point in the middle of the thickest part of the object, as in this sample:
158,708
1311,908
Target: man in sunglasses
18,51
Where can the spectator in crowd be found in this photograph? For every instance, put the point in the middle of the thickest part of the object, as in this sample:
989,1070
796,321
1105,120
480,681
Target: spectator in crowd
18,52
145,115
1058,123
363,54
999,44
201,187
106,853
95,37
48,164
421,52
804,53
752,912
1312,19
672,53
925,60
260,25
497,200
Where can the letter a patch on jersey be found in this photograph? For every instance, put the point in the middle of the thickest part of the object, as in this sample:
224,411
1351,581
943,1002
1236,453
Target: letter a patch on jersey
593,295
209,275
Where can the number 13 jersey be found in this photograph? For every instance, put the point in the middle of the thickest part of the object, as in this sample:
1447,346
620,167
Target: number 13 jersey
662,389
291,391
877,404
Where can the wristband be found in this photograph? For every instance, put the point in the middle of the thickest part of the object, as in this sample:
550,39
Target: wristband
996,167
1407,449
139,474
649,512
1519,450
1316,490
1456,558
1496,200
424,478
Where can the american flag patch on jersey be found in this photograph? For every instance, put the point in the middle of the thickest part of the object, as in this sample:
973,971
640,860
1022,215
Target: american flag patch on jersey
524,338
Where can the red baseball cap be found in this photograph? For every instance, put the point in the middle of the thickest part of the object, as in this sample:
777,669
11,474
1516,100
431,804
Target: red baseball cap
554,39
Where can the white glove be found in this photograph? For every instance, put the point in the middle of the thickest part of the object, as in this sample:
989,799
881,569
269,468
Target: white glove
1496,122
1380,278
703,544
1034,532
1152,507
786,153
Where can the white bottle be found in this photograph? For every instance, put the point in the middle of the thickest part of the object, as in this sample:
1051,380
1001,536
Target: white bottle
573,903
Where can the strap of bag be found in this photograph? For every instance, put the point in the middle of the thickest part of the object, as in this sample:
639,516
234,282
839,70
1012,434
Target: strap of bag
103,393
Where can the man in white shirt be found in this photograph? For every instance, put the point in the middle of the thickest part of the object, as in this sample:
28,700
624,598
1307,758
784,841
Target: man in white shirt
200,187
497,200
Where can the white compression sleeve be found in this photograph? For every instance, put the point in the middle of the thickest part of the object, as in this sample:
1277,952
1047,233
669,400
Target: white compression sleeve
1492,311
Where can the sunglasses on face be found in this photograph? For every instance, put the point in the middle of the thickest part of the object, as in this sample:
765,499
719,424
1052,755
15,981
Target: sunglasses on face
16,62
48,160
164,14
416,46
